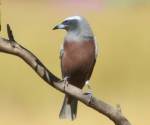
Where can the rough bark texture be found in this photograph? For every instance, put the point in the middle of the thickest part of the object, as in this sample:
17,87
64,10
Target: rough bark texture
10,46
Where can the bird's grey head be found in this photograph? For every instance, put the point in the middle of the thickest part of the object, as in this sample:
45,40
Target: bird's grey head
76,26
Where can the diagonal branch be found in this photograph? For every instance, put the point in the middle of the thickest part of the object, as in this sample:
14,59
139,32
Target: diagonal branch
12,47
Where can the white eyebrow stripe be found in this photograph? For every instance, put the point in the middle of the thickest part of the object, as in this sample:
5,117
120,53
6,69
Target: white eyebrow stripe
73,17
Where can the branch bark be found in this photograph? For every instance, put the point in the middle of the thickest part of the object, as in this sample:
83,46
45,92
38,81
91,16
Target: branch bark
10,46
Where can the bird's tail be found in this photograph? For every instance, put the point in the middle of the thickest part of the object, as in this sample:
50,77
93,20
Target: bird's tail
69,108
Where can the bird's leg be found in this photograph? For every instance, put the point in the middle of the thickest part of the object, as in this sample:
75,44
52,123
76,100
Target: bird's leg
65,82
89,89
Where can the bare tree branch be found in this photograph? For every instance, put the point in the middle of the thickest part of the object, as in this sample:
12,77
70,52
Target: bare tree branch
10,46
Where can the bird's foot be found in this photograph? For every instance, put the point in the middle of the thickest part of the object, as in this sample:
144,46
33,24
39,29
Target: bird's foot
66,82
88,90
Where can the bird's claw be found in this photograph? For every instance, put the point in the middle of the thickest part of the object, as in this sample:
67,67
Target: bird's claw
89,89
89,96
65,82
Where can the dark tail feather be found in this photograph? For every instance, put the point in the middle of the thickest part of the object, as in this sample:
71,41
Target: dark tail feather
69,108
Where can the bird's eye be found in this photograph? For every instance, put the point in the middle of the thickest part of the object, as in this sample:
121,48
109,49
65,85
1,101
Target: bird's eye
66,22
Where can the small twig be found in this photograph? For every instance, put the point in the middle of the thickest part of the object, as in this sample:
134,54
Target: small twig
10,34
118,108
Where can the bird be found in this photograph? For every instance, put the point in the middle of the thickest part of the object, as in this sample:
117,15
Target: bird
78,55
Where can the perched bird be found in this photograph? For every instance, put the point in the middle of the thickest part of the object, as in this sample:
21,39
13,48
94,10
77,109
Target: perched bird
78,56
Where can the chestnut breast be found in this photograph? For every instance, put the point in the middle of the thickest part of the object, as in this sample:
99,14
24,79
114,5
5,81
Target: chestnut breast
76,61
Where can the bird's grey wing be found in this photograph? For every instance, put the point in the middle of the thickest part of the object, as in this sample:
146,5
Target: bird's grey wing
61,53
60,57
91,67
90,70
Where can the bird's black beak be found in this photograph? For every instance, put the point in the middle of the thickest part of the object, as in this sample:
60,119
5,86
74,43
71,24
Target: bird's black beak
56,27
59,26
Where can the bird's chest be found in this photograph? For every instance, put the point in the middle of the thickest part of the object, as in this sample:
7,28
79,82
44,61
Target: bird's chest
77,55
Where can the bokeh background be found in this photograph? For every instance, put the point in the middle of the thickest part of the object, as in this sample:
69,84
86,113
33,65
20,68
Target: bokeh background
121,75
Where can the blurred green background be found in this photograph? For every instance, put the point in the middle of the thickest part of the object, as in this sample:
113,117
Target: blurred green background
121,75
